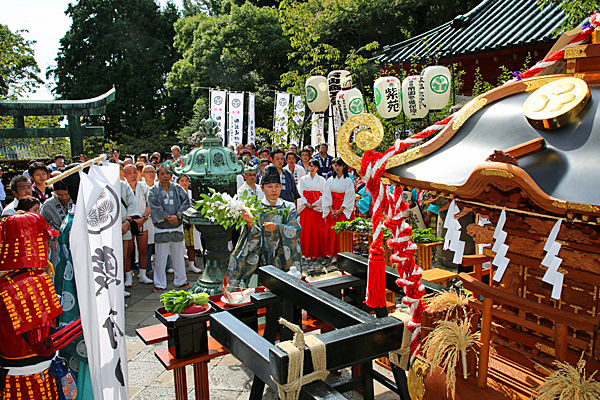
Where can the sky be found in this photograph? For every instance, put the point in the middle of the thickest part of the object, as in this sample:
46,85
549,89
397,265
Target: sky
47,24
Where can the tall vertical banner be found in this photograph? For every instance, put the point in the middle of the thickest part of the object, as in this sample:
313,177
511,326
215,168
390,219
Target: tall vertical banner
217,109
97,262
280,122
298,116
317,136
251,120
236,118
331,132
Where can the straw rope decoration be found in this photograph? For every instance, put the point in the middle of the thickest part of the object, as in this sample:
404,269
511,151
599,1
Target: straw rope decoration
295,350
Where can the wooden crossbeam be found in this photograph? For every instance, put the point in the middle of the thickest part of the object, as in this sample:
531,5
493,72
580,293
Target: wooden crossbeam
85,107
34,133
357,266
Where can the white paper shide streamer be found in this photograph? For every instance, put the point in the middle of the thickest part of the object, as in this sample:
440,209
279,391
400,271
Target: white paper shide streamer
500,248
552,276
251,120
236,118
452,239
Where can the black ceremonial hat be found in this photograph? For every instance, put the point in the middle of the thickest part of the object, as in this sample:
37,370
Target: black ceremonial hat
270,175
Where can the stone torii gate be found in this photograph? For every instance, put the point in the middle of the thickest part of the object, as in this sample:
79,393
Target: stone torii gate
73,109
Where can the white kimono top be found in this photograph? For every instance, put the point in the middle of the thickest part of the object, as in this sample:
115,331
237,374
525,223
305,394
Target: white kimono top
310,184
246,191
339,185
297,173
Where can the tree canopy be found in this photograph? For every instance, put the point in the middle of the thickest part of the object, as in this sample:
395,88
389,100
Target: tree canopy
129,45
576,11
241,50
18,68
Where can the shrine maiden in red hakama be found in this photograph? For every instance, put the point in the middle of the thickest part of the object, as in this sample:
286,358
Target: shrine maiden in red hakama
314,230
339,197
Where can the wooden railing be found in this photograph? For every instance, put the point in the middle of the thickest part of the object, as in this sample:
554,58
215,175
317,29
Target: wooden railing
562,321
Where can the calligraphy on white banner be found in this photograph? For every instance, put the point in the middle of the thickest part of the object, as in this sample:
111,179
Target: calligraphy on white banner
251,121
217,109
317,136
236,118
280,122
97,262
298,116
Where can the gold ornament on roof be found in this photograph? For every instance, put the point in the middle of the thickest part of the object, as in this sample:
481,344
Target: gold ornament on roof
368,134
367,137
557,103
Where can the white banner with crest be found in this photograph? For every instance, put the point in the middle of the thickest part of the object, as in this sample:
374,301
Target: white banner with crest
236,118
97,262
298,117
280,122
251,120
217,109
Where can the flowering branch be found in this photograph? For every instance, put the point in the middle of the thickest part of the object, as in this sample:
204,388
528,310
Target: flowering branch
227,210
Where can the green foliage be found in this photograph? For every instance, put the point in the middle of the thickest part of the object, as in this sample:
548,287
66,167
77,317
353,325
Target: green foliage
480,86
576,11
360,225
263,137
18,68
423,15
424,235
35,148
242,50
195,7
176,301
364,226
128,45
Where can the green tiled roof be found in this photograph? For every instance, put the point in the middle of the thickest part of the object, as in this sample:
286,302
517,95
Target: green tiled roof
492,25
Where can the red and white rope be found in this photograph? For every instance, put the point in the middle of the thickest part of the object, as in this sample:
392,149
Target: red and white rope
373,167
582,38
410,272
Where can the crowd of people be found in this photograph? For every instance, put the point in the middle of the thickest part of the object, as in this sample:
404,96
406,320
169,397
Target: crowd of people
322,189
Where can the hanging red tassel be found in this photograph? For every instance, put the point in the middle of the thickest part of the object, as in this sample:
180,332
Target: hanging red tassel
376,281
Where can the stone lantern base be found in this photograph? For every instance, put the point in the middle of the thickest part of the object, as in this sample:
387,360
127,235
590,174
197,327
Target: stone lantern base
217,253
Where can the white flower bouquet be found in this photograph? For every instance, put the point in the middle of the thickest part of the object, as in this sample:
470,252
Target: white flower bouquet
227,210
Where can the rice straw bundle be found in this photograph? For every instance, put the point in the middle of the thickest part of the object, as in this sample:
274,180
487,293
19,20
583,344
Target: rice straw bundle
448,341
569,383
447,301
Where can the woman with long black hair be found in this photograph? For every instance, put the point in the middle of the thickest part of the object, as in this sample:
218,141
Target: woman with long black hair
339,197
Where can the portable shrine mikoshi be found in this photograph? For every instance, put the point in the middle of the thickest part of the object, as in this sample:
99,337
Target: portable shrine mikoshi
521,157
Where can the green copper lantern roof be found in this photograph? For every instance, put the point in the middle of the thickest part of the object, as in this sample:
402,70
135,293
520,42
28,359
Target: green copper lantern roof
209,165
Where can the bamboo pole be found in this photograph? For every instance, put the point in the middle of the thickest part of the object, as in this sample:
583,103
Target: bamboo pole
75,169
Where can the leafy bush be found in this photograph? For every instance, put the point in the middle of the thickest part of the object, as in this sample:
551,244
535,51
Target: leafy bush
364,226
